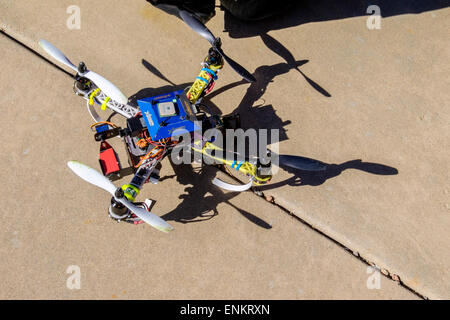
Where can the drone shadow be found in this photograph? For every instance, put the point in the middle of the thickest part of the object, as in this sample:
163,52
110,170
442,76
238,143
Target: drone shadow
254,113
202,198
262,116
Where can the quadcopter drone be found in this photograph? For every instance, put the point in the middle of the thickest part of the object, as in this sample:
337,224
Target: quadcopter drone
151,129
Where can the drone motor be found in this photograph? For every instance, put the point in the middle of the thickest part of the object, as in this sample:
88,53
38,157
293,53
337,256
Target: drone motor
118,211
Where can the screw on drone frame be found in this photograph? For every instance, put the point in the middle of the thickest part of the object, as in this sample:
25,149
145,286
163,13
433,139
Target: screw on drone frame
82,68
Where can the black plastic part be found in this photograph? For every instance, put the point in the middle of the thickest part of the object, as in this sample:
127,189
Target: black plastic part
203,10
134,149
104,135
119,193
231,121
135,125
121,173
82,83
82,68
214,56
251,10
139,177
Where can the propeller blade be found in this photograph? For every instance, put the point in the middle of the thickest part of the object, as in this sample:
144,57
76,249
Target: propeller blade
237,67
301,163
197,26
202,30
57,54
107,87
92,176
144,215
97,179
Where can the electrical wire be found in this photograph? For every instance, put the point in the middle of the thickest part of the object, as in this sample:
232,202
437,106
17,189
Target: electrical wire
103,122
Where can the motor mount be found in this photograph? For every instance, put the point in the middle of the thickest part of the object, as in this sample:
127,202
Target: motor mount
118,211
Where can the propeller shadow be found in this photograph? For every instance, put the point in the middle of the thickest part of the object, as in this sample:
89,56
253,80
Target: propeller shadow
316,178
260,116
155,71
284,53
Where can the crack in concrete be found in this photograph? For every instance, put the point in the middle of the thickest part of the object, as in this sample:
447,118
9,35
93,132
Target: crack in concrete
11,37
384,271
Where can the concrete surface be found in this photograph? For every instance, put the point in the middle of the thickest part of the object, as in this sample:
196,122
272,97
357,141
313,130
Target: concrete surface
243,248
375,95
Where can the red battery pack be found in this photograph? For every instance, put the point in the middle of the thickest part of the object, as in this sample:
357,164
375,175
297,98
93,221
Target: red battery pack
108,159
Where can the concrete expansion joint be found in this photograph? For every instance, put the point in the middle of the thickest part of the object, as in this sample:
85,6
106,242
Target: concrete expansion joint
388,274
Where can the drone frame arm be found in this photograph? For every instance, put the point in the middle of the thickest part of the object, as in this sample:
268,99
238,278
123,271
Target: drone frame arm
145,172
204,82
244,166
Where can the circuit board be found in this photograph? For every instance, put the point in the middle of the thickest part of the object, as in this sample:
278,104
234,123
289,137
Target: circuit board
168,115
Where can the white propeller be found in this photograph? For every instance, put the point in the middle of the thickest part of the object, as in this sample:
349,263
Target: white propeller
57,54
106,86
96,178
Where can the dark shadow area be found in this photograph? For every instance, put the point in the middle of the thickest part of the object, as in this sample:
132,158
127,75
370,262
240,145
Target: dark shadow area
254,114
150,92
155,71
306,11
264,116
291,63
202,198
316,178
